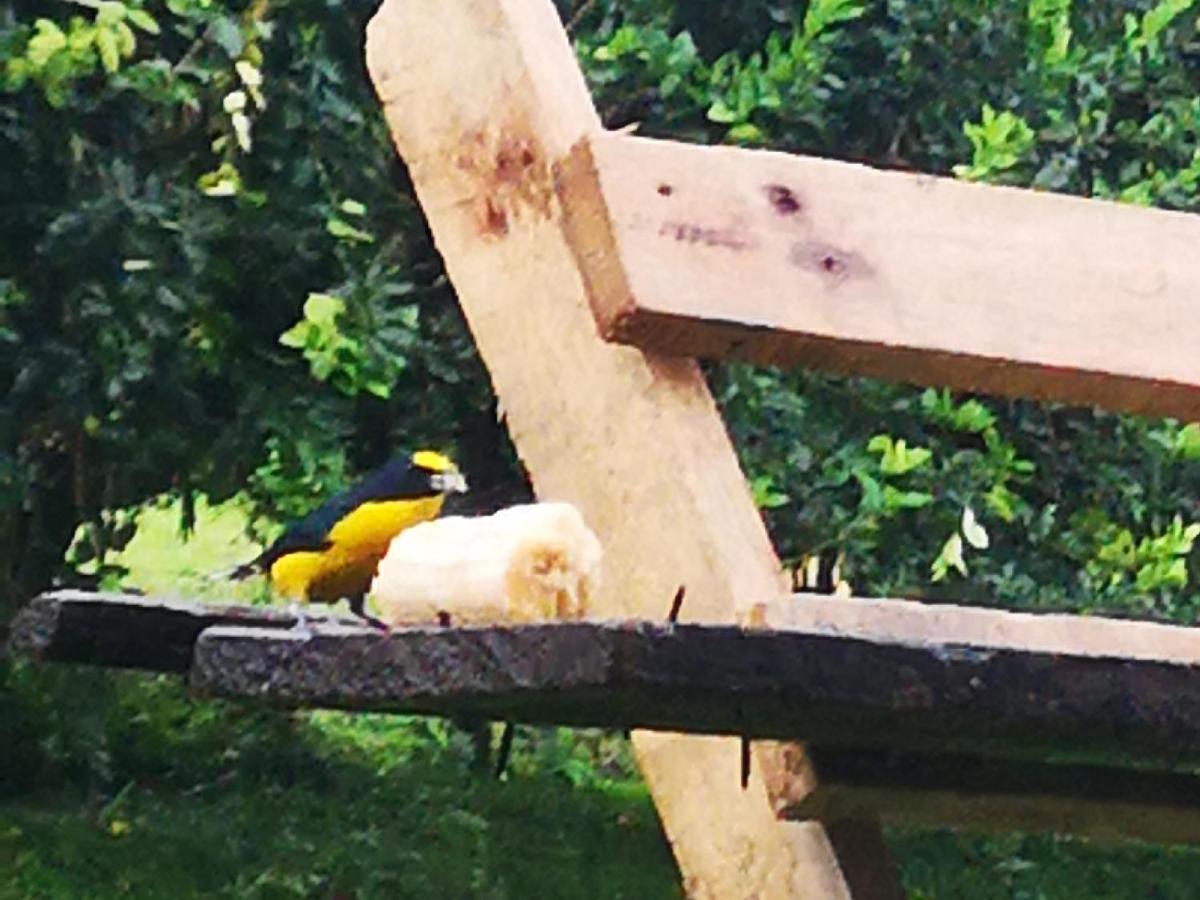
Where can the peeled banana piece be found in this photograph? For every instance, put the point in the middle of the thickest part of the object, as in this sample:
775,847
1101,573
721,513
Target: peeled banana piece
532,563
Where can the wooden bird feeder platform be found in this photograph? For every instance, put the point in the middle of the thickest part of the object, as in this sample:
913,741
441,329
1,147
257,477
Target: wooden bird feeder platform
593,269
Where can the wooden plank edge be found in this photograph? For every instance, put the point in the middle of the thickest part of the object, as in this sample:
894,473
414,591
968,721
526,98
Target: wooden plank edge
831,689
952,626
124,630
972,793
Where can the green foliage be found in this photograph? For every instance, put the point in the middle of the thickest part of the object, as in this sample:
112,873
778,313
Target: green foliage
171,797
214,278
998,143
344,361
53,58
1005,502
178,204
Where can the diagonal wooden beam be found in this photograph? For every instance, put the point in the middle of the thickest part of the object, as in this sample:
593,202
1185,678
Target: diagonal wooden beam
484,98
728,253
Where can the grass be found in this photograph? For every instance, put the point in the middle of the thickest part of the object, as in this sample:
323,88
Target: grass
338,827
117,785
161,562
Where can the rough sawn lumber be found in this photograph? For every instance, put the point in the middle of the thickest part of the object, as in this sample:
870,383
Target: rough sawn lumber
832,689
484,98
993,795
890,673
728,253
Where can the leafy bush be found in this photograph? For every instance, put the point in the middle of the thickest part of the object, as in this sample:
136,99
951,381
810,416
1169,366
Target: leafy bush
214,278
1006,502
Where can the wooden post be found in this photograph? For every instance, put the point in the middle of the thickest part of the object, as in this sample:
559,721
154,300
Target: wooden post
484,99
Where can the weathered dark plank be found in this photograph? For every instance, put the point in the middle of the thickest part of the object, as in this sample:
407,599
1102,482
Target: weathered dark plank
125,631
990,795
829,686
828,689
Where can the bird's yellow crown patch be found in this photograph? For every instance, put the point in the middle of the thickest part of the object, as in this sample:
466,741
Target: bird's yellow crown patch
434,461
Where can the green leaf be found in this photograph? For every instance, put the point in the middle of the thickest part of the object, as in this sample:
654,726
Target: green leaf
975,533
297,336
343,230
950,557
110,55
224,181
746,133
47,41
720,112
139,18
762,489
897,457
895,499
126,40
109,13
380,389
322,309
1001,501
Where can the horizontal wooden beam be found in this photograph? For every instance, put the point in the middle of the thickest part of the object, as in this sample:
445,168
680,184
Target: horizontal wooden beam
125,631
921,715
827,689
990,795
737,254
856,673
942,627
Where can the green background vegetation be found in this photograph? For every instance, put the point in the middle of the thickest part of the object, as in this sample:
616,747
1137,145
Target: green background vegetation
218,302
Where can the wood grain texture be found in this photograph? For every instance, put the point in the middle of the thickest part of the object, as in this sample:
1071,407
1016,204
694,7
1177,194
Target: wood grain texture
728,253
833,690
483,98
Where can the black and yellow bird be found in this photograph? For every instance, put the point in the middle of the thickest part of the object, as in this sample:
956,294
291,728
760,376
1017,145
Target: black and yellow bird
332,553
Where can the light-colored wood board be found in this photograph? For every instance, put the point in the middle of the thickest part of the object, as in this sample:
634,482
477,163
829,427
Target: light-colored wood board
730,253
951,625
483,97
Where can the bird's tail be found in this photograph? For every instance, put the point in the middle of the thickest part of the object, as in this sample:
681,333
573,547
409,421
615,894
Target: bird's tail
237,573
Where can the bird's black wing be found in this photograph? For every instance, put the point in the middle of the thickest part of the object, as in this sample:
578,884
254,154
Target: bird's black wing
312,532
308,534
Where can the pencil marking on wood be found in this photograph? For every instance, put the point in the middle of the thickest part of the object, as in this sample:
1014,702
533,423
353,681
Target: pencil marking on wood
729,237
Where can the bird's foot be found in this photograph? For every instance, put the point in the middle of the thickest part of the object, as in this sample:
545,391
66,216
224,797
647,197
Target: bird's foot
358,606
377,624
302,628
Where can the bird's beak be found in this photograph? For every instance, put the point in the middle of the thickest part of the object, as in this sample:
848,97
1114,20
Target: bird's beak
448,483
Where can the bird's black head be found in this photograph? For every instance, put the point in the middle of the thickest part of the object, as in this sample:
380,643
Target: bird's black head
412,475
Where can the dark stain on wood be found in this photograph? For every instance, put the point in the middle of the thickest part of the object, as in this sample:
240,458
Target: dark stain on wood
783,200
508,175
832,263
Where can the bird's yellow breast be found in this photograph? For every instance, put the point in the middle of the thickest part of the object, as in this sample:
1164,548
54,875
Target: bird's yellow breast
356,544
